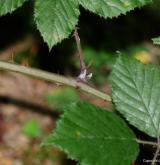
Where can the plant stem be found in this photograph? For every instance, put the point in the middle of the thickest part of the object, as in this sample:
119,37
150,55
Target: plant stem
157,152
147,142
54,78
80,52
83,76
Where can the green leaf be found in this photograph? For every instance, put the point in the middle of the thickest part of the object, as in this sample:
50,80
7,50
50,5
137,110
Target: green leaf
112,8
32,128
8,6
136,94
91,135
156,40
56,19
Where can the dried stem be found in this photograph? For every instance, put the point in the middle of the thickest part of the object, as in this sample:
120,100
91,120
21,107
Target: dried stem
79,48
83,76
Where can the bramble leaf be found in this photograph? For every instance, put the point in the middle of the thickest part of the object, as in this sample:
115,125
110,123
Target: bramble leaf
56,19
8,6
136,94
91,135
112,8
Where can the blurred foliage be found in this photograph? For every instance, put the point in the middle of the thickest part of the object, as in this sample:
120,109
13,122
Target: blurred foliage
25,58
143,57
139,52
154,8
59,98
101,62
37,156
156,40
45,155
99,58
32,128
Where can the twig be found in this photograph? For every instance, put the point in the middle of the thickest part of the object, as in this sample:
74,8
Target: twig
83,76
80,53
157,152
153,144
54,78
156,155
147,142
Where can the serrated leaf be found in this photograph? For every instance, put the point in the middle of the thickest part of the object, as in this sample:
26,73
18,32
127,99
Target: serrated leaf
112,8
91,135
8,6
56,19
156,40
136,94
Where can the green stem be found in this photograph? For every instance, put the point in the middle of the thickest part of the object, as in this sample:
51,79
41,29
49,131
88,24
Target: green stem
54,78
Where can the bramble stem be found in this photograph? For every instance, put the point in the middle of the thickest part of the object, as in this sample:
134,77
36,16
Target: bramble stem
79,49
146,142
54,78
83,76
157,152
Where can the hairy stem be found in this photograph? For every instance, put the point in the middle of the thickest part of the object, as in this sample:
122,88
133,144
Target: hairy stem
53,78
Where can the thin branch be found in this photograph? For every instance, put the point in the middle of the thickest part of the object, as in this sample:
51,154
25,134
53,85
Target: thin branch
83,76
80,52
157,152
54,78
156,155
147,142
